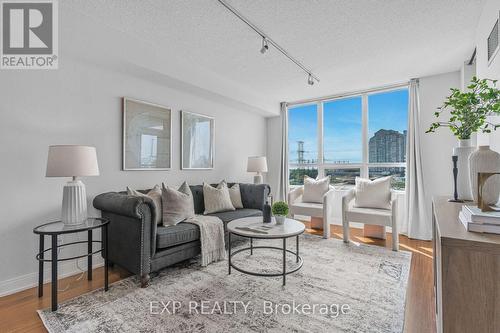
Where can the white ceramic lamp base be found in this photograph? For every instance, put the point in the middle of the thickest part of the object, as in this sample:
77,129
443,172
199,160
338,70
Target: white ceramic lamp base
74,205
257,179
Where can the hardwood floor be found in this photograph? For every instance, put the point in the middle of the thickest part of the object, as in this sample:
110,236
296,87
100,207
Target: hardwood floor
18,311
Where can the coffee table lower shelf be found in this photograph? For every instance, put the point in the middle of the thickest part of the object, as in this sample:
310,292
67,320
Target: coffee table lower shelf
284,272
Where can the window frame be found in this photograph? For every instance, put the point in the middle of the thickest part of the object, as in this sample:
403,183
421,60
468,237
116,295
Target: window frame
365,165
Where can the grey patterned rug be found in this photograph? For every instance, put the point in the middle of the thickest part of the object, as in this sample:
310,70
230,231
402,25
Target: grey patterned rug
340,288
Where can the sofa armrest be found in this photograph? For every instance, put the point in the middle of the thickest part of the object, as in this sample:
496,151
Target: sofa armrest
132,231
294,194
122,204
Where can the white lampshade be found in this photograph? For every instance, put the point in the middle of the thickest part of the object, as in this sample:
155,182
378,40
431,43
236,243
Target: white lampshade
257,164
72,161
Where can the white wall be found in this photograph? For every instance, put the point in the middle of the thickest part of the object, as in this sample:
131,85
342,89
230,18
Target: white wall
485,69
81,104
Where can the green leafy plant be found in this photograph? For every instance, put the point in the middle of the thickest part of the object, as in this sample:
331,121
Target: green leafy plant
469,110
280,208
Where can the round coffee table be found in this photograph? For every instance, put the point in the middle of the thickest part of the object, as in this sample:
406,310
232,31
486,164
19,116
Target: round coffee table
253,227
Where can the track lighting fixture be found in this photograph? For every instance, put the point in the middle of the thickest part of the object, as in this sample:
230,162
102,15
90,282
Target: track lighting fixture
310,80
265,47
266,40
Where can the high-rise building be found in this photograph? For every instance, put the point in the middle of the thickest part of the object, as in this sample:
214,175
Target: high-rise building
387,146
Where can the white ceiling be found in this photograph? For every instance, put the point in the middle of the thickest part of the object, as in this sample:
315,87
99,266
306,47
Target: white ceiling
349,44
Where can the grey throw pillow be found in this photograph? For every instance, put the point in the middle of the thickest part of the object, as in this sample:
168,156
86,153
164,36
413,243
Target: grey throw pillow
178,204
216,199
155,195
234,194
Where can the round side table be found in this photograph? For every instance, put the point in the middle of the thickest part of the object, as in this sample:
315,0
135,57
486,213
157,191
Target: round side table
54,229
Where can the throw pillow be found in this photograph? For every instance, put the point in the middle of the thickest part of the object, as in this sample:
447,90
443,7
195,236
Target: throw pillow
216,199
373,193
178,204
234,194
315,189
155,195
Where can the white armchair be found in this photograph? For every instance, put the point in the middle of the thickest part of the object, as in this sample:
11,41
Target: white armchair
322,210
381,217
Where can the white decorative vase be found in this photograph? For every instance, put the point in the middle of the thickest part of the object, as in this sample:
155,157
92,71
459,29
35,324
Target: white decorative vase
463,152
280,219
485,160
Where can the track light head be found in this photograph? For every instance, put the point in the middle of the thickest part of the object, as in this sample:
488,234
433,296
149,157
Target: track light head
310,80
265,47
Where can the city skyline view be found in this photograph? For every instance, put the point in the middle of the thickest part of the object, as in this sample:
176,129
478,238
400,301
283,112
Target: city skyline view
342,129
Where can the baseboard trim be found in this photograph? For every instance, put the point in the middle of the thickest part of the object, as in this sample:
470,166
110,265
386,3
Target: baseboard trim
30,280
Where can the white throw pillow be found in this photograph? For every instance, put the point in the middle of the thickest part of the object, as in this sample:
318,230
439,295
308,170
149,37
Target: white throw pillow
234,194
155,195
315,189
373,193
216,199
178,205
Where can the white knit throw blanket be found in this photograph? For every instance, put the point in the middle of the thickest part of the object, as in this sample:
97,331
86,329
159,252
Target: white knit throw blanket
211,237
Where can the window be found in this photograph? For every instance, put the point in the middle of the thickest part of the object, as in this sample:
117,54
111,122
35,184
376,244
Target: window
359,135
302,143
342,143
493,41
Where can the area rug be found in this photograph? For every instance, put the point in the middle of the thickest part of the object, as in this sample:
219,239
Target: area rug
340,288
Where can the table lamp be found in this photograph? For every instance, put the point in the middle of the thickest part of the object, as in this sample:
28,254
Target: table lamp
73,161
257,164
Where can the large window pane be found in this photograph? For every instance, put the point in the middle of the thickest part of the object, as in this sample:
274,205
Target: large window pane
297,175
398,175
342,131
387,124
303,134
342,176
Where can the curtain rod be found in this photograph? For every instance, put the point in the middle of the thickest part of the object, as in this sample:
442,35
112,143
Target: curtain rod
346,94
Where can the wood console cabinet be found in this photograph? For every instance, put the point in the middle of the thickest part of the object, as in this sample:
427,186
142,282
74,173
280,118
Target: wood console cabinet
466,274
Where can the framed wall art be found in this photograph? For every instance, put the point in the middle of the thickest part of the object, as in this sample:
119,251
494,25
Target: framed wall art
147,136
197,141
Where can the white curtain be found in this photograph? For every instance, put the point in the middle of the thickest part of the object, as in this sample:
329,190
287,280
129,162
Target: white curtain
417,222
282,190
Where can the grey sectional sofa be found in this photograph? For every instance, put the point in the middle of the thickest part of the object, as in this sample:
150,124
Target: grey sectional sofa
140,246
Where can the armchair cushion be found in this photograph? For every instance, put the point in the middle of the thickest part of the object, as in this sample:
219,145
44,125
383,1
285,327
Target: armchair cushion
373,193
307,209
315,189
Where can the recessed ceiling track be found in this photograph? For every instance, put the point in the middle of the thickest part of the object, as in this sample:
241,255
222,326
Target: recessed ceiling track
266,40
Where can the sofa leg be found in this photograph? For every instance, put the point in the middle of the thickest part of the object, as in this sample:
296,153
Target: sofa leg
145,280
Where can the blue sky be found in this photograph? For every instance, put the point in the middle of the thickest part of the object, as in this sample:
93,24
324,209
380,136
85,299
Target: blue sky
342,125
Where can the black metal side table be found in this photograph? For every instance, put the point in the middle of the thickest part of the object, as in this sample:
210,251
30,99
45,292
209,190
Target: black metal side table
57,228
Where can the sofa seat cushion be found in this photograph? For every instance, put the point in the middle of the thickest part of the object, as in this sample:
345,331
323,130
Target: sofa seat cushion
176,234
236,214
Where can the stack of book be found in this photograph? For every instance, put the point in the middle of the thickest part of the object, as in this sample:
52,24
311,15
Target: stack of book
476,220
